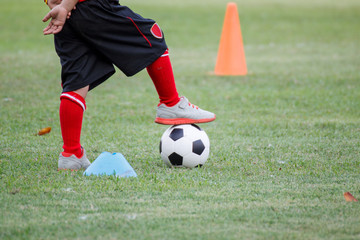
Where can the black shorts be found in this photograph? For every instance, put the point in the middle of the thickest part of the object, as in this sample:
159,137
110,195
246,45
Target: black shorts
100,34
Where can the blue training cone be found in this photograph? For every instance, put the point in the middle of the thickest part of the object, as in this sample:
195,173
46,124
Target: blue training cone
110,164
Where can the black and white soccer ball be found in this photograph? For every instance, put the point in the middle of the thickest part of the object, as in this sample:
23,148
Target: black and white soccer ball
184,146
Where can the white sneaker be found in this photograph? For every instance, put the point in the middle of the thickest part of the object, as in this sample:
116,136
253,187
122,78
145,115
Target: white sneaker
182,113
72,162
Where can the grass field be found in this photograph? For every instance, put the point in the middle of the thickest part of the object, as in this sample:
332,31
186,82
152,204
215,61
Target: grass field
284,148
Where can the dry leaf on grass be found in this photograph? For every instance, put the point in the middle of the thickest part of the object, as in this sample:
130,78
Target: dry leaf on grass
349,197
44,131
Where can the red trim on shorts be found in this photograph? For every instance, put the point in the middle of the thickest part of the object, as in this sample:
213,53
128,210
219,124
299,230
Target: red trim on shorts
139,30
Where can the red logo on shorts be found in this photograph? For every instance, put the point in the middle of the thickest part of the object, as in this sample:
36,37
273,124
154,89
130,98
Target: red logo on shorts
156,31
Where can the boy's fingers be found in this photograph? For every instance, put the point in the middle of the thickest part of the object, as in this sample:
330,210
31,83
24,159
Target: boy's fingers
52,29
57,29
47,17
47,31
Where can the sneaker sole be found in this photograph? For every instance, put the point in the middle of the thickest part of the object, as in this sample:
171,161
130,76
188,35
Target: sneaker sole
179,121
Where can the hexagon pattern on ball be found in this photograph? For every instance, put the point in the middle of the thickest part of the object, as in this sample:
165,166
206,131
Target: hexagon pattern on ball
176,134
198,147
184,146
175,159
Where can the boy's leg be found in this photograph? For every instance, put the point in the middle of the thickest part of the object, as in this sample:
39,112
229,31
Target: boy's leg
162,76
72,107
133,43
173,110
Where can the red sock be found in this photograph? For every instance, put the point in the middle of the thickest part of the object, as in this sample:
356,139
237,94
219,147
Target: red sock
162,76
72,107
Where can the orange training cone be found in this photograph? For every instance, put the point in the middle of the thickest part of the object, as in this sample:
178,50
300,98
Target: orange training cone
231,55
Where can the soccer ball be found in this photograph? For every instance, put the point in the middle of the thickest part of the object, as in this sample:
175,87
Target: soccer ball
184,146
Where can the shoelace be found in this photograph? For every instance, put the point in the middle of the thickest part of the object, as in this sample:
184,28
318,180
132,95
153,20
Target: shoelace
193,106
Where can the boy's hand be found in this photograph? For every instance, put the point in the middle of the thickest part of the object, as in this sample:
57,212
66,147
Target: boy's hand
58,14
58,17
54,3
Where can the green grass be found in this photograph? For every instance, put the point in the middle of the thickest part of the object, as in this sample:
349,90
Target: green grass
284,148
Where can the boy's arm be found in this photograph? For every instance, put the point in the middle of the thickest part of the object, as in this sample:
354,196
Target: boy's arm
53,3
58,15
